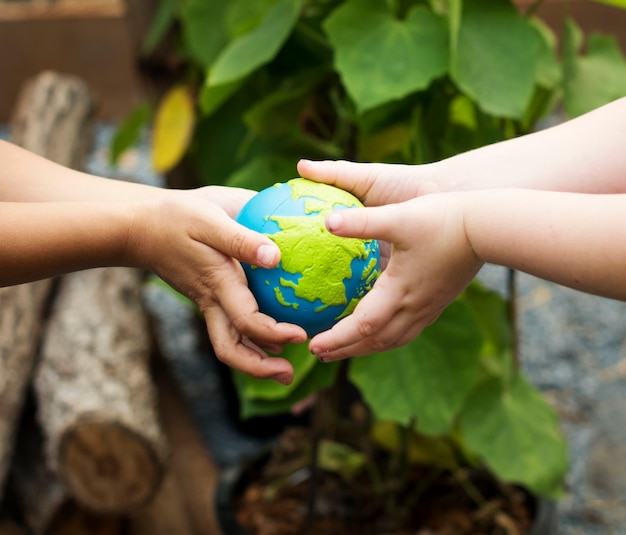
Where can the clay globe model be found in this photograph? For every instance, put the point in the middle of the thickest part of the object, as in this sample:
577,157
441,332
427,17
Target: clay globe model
320,277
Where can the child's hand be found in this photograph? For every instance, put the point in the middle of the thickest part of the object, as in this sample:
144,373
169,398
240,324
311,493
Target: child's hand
431,262
193,244
374,184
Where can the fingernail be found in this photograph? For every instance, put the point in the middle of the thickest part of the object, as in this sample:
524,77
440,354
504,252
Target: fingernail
265,255
333,221
283,379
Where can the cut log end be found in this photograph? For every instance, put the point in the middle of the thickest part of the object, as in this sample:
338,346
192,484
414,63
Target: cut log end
75,520
108,467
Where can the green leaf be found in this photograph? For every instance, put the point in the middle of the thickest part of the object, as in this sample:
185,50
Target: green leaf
204,30
516,433
616,3
163,19
257,47
548,68
495,61
427,380
319,378
264,389
381,58
595,79
218,139
129,131
421,449
339,458
263,171
212,97
491,313
279,111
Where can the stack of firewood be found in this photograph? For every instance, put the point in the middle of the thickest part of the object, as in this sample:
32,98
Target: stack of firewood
94,435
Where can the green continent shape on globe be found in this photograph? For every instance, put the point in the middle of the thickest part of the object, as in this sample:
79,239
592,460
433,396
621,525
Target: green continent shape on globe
306,237
333,256
328,196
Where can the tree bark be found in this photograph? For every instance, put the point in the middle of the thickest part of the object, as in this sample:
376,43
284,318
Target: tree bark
185,505
52,119
96,400
46,505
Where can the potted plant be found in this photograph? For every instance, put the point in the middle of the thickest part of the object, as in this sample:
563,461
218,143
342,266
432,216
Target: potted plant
259,85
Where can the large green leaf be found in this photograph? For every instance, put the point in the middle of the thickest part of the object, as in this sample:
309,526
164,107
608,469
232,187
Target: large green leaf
381,58
492,315
548,66
495,61
258,46
319,377
517,435
282,110
594,79
427,380
302,361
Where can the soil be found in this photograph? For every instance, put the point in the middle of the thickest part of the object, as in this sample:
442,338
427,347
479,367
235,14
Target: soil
428,504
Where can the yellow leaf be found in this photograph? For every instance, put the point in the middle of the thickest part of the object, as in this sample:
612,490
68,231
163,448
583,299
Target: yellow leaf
172,128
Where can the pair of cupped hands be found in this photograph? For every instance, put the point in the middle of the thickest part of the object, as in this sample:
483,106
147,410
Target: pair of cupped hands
426,259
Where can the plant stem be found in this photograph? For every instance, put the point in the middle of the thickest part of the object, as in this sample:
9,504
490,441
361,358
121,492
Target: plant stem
470,489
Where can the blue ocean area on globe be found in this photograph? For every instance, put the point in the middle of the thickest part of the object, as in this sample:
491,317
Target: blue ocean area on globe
320,277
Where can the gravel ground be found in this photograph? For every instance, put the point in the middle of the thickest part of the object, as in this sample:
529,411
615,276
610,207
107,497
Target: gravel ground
571,347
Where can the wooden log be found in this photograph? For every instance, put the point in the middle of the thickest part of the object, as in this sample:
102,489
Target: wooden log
185,505
46,505
52,119
95,397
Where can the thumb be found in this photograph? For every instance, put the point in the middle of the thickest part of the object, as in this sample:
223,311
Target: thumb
239,242
366,223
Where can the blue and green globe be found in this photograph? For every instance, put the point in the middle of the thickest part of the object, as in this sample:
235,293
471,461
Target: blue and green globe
320,277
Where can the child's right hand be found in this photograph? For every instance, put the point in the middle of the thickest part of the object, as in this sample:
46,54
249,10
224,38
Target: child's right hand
190,241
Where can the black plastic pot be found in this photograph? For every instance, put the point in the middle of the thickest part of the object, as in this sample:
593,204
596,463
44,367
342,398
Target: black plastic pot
234,480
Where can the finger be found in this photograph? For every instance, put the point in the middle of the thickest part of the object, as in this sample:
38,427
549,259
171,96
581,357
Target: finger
241,354
235,240
379,343
357,178
379,223
375,184
230,199
374,320
232,294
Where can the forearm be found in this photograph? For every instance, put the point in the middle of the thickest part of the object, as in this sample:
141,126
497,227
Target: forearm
576,240
39,240
585,154
26,177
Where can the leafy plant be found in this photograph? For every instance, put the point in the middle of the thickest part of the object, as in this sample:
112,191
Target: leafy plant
388,81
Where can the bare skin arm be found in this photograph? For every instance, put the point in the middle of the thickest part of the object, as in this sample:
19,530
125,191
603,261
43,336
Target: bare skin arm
584,155
54,220
577,240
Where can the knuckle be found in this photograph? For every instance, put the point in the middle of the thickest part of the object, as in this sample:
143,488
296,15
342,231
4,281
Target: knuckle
378,344
366,328
241,323
238,245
